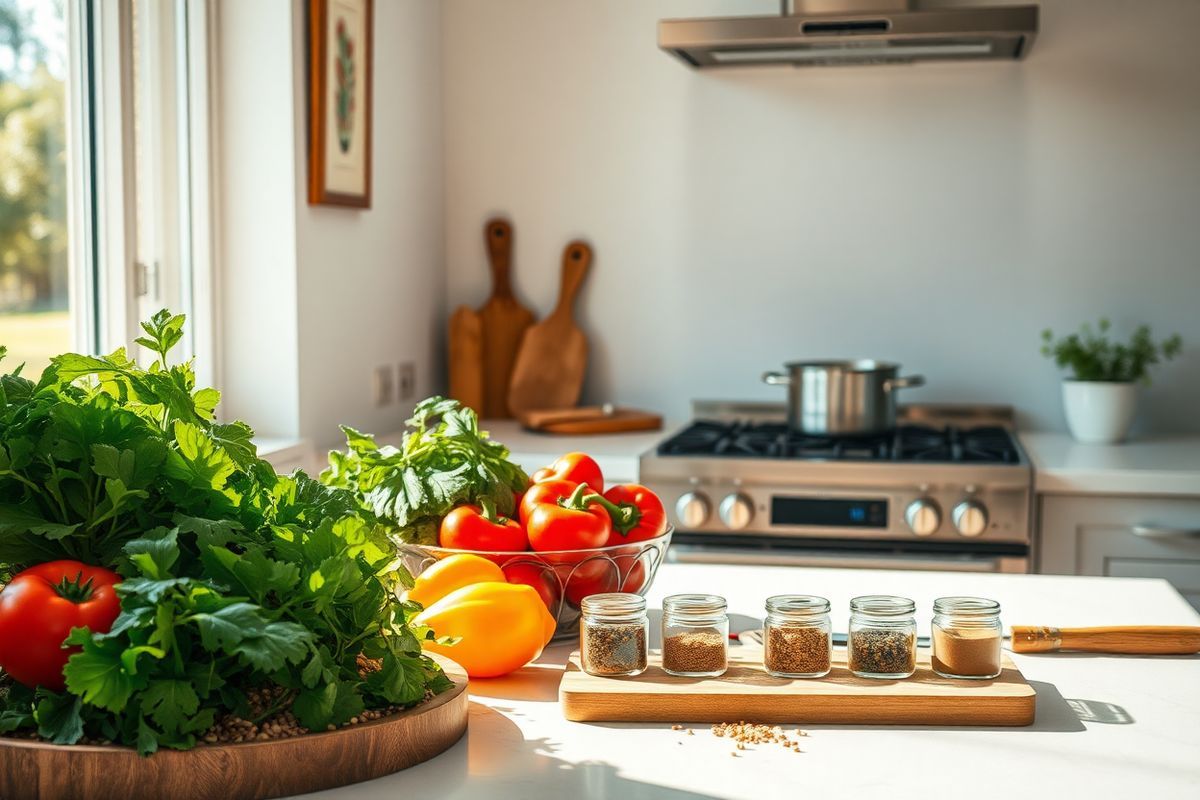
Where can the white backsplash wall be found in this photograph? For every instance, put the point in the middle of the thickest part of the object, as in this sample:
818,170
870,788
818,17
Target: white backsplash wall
938,215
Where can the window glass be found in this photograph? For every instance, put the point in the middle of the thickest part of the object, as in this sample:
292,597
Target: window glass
35,318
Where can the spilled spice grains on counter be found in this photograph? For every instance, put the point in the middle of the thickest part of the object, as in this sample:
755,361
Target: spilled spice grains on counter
748,733
883,652
695,651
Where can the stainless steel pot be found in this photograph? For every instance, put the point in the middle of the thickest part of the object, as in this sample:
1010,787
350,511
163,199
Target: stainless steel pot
842,397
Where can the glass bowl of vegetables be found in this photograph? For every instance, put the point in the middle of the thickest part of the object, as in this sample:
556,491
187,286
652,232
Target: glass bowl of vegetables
562,578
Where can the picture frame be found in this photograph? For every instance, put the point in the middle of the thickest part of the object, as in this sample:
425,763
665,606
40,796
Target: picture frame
341,56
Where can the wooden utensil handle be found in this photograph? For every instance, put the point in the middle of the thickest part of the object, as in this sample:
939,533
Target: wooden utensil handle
497,234
1131,639
577,258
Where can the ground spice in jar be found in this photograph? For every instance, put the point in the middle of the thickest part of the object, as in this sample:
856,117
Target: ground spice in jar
966,651
796,650
883,652
613,649
694,651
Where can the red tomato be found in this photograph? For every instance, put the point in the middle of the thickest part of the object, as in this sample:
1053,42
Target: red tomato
39,607
575,467
547,492
475,528
593,576
637,514
540,577
575,524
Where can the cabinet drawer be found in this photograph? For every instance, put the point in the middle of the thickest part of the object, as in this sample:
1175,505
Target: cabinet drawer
1113,536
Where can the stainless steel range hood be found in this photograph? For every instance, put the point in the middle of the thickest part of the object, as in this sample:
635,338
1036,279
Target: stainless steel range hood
832,32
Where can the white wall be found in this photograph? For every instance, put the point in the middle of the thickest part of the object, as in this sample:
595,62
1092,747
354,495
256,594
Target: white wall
371,283
257,223
938,215
315,297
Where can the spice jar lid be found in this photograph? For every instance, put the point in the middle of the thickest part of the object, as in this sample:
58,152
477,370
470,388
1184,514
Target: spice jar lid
883,605
966,606
698,605
797,604
613,606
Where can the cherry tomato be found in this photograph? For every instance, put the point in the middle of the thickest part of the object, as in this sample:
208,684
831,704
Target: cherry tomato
575,467
480,528
39,607
577,523
637,514
540,577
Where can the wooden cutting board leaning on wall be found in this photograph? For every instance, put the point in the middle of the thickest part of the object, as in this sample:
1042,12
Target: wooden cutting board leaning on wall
553,356
483,343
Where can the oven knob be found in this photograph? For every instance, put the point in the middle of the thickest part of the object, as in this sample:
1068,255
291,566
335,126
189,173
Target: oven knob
736,511
970,517
692,509
923,516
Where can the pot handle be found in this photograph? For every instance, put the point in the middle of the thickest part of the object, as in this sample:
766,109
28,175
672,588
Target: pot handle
892,384
776,379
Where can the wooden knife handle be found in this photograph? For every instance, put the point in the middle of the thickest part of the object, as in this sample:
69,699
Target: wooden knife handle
1132,639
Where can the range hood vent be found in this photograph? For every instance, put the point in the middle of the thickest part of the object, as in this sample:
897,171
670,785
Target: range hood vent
833,32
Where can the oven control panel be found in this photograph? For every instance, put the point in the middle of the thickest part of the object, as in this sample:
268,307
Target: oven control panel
943,512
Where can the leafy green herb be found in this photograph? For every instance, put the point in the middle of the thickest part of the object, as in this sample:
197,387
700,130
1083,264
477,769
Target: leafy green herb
235,578
444,461
1093,357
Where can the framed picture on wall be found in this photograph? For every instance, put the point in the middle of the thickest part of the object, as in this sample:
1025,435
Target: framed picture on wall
341,50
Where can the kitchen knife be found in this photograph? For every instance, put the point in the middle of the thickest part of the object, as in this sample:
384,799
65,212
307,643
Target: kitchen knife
1147,640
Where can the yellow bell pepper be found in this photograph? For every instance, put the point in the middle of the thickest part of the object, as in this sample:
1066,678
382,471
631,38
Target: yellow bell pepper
500,627
452,572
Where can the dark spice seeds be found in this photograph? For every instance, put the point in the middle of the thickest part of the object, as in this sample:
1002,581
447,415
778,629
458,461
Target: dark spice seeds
613,649
883,652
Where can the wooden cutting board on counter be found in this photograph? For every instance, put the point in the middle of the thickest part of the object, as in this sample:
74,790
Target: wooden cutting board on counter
747,692
503,319
587,420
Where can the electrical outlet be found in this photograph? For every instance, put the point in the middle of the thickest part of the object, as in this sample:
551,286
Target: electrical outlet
383,386
406,385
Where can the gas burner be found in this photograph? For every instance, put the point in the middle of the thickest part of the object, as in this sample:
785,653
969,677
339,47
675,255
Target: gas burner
746,439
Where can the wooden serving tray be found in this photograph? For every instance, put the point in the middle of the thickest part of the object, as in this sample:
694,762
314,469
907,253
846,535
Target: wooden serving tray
31,770
747,692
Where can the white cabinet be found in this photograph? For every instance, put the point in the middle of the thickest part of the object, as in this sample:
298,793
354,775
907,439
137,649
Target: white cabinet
1129,536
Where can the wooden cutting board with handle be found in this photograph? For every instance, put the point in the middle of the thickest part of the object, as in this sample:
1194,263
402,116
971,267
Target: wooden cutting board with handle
503,321
466,358
553,356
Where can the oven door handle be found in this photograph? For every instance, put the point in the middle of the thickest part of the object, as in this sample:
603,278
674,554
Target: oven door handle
685,554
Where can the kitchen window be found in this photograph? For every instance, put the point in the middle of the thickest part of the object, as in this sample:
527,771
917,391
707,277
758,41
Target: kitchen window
104,175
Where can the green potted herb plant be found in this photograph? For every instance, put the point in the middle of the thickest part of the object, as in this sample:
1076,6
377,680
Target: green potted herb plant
1100,397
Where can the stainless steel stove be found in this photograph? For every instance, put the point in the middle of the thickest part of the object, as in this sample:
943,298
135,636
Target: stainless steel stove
949,489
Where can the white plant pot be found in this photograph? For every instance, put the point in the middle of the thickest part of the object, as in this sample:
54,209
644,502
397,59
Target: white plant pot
1099,412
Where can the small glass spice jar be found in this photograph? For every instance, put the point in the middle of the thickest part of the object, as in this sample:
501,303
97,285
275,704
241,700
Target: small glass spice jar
966,637
695,632
797,636
613,630
883,637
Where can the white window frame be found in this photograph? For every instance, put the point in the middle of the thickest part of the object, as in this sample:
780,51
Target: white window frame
111,290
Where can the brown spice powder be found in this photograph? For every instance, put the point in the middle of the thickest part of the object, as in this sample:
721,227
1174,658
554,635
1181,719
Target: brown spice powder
695,651
796,650
883,652
966,651
612,649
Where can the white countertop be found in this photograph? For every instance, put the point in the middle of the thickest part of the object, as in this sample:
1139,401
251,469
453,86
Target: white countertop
616,453
1165,465
519,745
